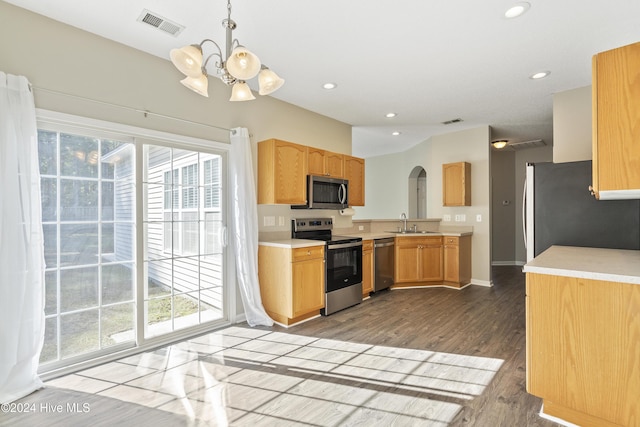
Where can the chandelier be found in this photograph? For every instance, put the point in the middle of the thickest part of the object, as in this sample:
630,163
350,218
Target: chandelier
235,68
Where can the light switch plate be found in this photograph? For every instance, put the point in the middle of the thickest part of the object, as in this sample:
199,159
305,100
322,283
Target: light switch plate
269,221
479,218
446,217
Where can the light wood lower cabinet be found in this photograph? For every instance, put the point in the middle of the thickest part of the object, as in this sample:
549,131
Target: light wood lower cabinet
457,260
583,349
291,282
367,267
418,260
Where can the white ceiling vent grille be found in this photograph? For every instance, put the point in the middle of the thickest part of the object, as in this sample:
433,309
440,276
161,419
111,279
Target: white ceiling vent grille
157,21
452,121
527,144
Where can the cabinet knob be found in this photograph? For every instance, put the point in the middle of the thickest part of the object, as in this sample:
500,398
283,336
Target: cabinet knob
308,252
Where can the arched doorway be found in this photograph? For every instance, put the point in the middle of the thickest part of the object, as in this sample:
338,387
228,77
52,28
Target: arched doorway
418,193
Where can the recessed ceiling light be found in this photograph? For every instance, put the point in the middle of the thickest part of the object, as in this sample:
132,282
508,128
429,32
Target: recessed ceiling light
390,115
329,86
540,75
517,9
396,133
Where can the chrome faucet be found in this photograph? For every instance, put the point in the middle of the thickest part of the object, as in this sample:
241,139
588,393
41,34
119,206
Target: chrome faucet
403,217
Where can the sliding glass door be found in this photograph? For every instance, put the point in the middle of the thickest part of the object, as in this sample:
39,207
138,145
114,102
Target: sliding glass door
134,238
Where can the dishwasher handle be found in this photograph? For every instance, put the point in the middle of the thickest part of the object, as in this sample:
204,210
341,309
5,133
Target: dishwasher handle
383,244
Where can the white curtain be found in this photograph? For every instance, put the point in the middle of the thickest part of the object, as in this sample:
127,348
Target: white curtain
244,227
21,242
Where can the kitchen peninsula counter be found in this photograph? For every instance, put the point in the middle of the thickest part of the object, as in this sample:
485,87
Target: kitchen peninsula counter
582,320
610,265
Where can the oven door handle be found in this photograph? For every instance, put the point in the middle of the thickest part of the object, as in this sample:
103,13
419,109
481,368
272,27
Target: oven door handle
344,245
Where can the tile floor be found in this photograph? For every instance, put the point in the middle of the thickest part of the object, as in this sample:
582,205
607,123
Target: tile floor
244,376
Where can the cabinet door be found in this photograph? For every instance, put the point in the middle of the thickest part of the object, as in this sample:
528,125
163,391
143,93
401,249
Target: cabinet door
431,263
290,173
367,271
334,164
451,261
315,160
407,261
354,172
616,114
308,286
456,184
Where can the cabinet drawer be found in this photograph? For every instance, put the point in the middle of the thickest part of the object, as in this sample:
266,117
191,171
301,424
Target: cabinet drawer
448,240
301,254
367,245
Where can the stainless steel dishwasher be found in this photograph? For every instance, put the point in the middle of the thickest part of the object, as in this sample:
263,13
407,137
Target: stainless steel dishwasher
384,263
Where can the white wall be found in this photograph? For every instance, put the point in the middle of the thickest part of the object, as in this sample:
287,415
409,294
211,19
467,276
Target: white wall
572,132
386,187
100,75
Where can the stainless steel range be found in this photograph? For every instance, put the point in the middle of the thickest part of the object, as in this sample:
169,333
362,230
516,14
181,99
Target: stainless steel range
343,262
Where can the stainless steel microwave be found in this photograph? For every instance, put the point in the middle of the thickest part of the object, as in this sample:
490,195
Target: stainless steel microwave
326,193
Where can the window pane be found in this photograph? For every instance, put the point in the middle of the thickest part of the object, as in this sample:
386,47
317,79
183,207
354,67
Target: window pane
190,233
79,333
50,346
123,197
51,292
79,156
107,201
123,249
49,192
78,244
50,245
116,159
108,244
117,283
78,288
48,152
117,324
78,200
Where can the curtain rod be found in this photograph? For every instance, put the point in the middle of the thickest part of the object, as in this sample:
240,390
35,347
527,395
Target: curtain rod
145,112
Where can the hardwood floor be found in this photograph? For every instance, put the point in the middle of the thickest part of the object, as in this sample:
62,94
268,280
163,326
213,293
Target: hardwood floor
476,321
427,357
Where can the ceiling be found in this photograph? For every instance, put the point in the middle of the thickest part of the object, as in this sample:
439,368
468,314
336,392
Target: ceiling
427,61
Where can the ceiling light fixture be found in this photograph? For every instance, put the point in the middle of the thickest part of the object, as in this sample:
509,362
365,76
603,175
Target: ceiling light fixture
499,144
329,86
237,66
517,10
396,133
540,75
390,115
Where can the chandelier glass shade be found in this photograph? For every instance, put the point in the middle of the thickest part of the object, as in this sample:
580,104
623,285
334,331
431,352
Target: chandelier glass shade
234,68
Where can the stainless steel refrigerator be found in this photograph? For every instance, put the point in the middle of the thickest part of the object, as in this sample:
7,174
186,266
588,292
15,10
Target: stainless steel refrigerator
559,210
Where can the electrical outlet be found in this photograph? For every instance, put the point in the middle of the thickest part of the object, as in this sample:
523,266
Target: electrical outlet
446,217
479,218
360,227
269,221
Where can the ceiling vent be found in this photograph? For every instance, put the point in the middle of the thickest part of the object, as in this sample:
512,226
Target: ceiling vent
449,122
157,21
527,144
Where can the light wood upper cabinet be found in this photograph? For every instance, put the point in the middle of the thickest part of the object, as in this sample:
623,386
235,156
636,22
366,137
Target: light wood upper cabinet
354,172
456,184
291,282
334,164
316,161
325,163
282,173
457,260
616,118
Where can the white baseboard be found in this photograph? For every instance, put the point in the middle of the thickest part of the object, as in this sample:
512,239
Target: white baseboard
485,283
555,419
240,318
508,263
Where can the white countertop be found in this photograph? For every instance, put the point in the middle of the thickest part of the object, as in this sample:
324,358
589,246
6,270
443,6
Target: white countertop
384,234
611,265
292,243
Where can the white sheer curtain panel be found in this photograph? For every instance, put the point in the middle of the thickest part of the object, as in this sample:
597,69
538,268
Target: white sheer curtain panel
244,227
21,242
